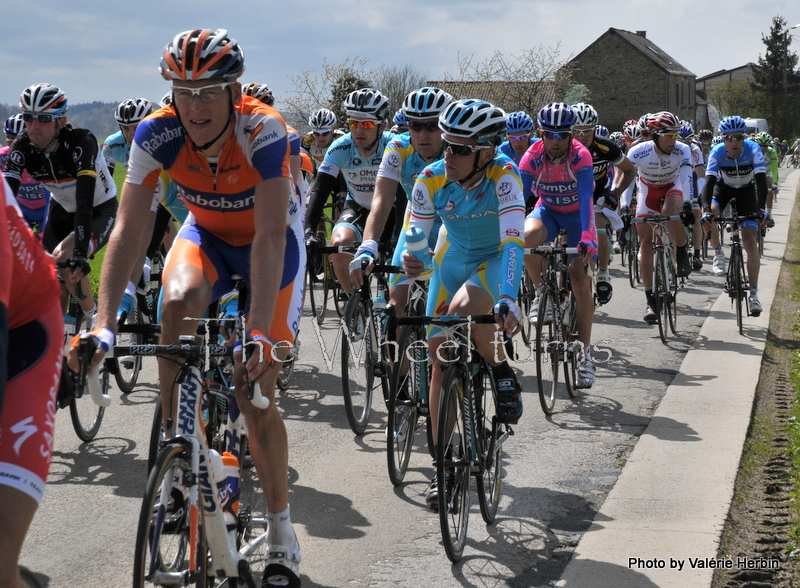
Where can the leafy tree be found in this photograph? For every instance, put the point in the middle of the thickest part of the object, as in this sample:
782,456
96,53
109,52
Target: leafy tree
348,81
777,80
736,98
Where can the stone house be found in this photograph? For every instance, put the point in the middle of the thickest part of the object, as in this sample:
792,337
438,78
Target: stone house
627,76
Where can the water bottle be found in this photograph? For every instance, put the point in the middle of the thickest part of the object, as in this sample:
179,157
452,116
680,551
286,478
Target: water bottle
231,506
204,414
417,245
70,329
218,472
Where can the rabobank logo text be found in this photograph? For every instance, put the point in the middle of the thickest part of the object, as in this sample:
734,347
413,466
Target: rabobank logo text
159,139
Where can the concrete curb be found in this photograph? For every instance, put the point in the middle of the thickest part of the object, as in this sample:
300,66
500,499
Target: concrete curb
661,523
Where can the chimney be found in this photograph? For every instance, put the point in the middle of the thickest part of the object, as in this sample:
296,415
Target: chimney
642,33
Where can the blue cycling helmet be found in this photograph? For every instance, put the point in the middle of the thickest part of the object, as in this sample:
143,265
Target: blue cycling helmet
686,132
427,102
13,126
400,118
519,122
601,131
556,116
732,124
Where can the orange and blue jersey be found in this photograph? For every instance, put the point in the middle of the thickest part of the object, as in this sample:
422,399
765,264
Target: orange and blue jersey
221,200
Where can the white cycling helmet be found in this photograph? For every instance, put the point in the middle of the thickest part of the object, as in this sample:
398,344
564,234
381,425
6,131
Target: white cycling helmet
322,120
585,115
366,103
43,99
133,110
478,119
427,102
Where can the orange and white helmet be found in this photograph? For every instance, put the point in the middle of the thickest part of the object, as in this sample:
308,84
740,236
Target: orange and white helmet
202,55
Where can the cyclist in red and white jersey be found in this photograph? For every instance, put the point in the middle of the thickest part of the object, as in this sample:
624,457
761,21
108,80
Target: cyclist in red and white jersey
665,176
31,343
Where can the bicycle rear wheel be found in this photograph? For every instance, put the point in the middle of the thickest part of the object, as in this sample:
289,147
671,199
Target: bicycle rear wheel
672,298
317,294
85,414
453,463
633,258
736,285
163,551
548,350
572,351
488,431
358,378
409,379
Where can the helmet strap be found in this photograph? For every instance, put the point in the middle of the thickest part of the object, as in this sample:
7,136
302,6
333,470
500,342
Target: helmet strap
476,169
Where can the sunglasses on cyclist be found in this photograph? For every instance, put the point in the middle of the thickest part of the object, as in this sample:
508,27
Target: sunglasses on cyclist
675,136
206,93
733,138
42,118
322,133
518,137
556,135
582,132
362,124
418,126
705,144
462,150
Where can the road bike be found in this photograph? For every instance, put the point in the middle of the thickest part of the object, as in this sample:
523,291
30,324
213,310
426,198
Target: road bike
665,283
365,357
736,283
556,341
190,529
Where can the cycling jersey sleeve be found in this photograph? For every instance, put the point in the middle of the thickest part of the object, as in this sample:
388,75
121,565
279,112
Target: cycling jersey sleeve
685,177
511,211
708,191
585,180
761,190
423,209
324,185
14,166
85,157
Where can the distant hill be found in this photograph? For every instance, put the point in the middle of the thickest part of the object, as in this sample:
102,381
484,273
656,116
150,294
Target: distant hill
98,117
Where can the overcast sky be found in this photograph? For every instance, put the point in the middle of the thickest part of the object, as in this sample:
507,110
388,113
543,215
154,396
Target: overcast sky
110,50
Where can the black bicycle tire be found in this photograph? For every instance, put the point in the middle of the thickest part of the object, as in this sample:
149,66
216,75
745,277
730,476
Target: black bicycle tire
171,456
660,291
357,422
548,341
489,479
80,403
405,378
126,383
453,496
525,301
573,353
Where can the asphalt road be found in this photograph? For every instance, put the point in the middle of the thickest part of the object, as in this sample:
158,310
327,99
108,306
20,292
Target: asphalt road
355,529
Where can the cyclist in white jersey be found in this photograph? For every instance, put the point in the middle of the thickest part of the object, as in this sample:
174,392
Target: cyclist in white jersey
665,176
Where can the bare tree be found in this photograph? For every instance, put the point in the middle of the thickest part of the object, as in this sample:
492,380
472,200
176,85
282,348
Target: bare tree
397,81
526,81
313,90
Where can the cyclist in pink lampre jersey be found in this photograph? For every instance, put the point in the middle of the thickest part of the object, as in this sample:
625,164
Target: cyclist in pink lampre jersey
32,196
665,187
559,170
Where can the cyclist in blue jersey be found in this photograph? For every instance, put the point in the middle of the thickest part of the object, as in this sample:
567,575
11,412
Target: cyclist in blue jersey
358,156
736,170
520,136
477,262
403,160
559,170
400,123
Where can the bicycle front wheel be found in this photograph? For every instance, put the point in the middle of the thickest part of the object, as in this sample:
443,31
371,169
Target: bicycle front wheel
409,380
527,292
488,432
358,378
317,294
85,414
661,293
737,285
252,521
672,299
453,457
548,350
285,375
164,555
572,353
633,258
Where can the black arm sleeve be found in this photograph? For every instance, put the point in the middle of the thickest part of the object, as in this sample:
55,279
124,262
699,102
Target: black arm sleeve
400,203
761,190
708,192
324,184
3,352
84,199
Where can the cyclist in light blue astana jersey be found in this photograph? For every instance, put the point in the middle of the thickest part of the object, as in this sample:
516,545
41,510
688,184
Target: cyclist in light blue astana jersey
478,261
405,157
358,156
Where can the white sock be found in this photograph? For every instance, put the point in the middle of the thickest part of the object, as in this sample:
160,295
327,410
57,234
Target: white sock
130,290
280,531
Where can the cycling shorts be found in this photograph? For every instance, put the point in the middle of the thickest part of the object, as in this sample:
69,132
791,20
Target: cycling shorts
61,224
27,421
746,201
453,268
354,216
554,222
652,197
35,217
220,260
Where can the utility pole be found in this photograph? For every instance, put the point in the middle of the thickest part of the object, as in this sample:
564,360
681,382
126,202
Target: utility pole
786,42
